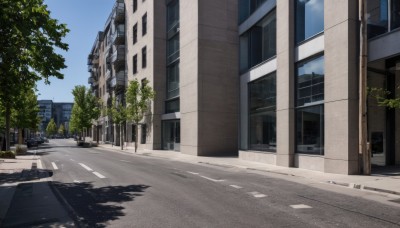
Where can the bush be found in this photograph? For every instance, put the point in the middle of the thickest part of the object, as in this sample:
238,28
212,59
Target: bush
7,154
20,149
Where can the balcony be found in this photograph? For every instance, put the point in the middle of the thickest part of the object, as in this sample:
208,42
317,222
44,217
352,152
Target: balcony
118,57
108,74
90,58
119,35
118,80
119,11
91,80
90,68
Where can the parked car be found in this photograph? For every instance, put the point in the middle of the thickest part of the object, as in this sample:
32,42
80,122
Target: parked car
31,143
39,140
46,140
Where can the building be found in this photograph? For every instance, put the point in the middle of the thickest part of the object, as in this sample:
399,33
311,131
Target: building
276,81
188,52
60,112
299,64
45,114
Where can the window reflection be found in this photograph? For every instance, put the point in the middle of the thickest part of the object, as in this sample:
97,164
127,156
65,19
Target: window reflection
262,114
309,18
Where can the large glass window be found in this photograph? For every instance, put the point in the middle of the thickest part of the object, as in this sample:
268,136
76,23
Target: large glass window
395,14
310,82
173,49
262,114
144,24
173,81
172,14
309,18
310,107
247,7
259,43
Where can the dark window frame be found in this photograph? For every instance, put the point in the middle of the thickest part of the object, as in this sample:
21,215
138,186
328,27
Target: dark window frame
144,24
134,34
144,57
134,64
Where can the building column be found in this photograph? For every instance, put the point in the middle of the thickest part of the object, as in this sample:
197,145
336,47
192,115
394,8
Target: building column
285,119
341,86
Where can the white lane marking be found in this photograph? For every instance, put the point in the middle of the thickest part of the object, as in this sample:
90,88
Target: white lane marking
84,166
212,179
72,159
77,181
54,166
257,194
125,161
193,173
300,206
98,175
235,186
39,164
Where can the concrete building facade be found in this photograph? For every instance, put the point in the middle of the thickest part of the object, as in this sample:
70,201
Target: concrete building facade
299,88
59,111
187,50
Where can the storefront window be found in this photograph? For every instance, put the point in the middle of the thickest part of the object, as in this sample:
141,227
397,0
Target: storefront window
262,114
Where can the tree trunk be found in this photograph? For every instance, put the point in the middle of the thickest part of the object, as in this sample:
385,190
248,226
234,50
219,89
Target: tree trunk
20,136
136,138
97,133
7,130
121,136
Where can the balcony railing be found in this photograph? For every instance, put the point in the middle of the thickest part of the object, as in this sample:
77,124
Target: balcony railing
119,11
119,35
108,74
118,80
118,54
90,68
91,80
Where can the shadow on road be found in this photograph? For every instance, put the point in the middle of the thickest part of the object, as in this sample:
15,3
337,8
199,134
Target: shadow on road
25,175
95,207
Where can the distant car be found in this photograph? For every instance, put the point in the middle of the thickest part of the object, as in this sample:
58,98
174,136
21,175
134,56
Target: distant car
39,140
46,140
31,143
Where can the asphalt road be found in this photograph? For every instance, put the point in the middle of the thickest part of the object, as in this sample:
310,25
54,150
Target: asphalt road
109,189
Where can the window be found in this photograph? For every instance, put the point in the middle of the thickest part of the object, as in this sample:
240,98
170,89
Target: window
144,57
144,132
262,114
134,62
173,81
172,14
309,19
173,49
134,5
172,106
144,24
383,16
259,43
247,7
134,34
310,107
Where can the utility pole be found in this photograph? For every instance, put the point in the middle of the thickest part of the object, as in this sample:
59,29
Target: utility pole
363,145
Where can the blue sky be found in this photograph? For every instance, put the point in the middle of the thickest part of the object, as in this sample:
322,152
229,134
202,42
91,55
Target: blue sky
84,18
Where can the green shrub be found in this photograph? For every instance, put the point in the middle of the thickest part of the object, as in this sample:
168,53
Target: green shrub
20,150
7,154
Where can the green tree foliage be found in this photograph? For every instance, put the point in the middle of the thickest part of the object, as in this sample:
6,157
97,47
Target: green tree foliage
118,113
25,112
61,130
138,99
51,128
86,109
381,97
29,37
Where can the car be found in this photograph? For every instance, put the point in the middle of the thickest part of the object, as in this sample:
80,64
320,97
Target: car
46,140
31,143
39,140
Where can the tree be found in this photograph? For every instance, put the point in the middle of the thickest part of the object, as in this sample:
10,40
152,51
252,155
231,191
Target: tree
51,128
25,112
119,116
27,50
61,130
381,96
138,98
86,109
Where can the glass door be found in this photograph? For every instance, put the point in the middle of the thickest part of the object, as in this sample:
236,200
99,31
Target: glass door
171,135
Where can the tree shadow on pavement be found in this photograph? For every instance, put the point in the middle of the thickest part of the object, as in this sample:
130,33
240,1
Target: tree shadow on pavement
25,175
96,207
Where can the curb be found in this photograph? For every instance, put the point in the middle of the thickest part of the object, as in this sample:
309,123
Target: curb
364,187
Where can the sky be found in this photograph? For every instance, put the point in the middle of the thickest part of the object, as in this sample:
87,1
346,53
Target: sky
84,18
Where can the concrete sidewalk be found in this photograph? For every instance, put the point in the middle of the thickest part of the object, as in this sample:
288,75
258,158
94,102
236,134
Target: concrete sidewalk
387,184
26,199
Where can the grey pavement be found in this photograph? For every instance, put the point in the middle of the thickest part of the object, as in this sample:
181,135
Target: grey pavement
26,199
384,181
107,188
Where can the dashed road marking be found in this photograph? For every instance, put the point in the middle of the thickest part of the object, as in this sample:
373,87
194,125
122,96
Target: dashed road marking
54,166
300,206
211,179
99,175
125,161
257,194
71,159
193,173
77,181
86,167
235,186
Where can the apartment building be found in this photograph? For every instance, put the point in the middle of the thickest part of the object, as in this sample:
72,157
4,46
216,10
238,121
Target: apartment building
59,111
299,64
187,50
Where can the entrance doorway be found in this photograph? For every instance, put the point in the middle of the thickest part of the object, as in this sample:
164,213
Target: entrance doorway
171,135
